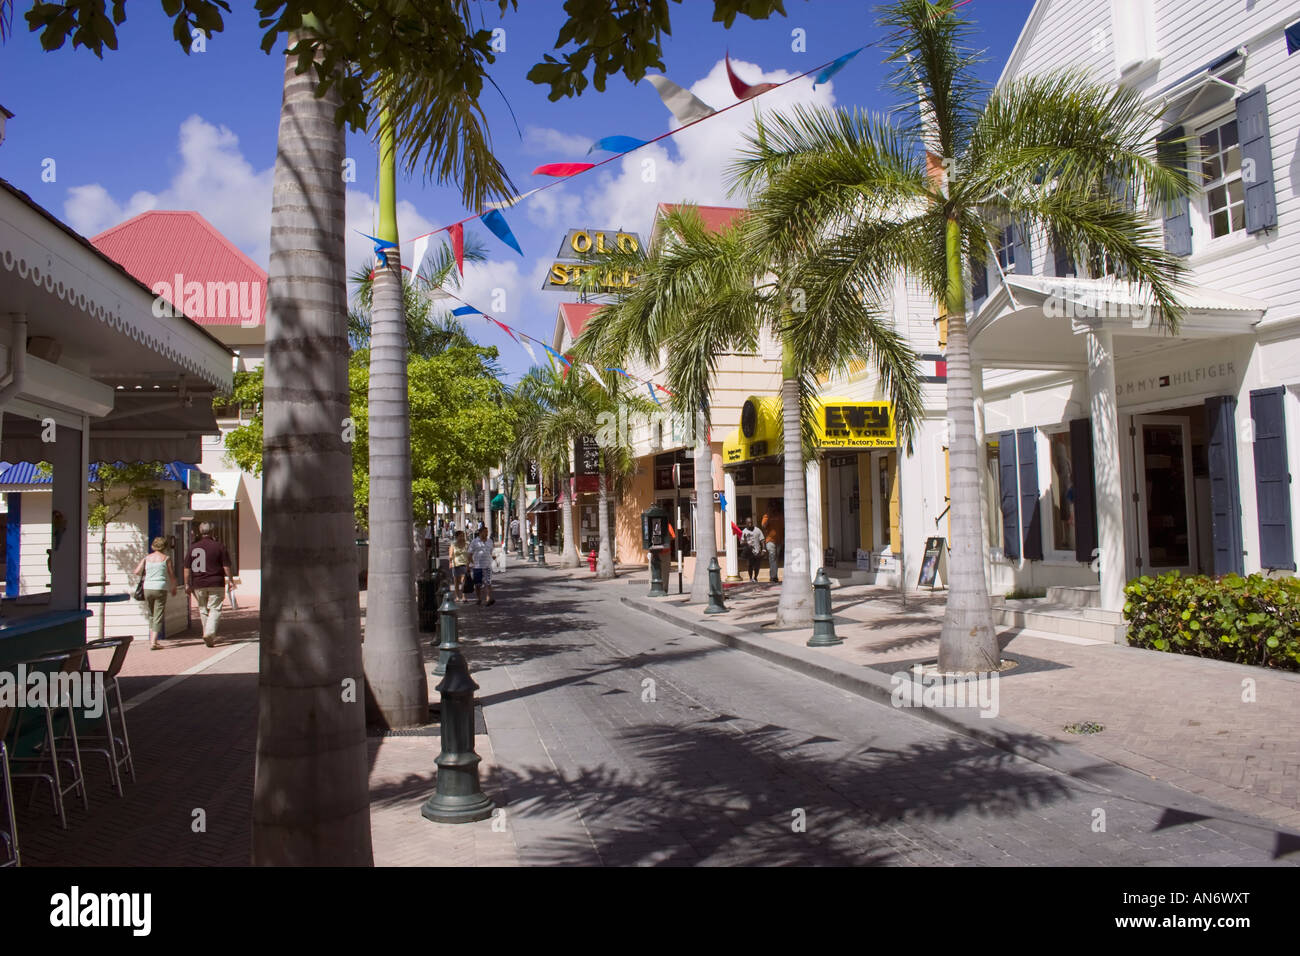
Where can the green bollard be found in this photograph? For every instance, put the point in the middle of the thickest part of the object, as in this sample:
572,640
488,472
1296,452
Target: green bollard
458,798
532,550
657,575
823,621
541,554
450,643
715,589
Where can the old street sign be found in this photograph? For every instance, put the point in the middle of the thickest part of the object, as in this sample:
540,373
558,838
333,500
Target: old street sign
585,245
842,424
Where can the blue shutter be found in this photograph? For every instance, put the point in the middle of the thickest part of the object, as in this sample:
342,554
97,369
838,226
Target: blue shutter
1252,131
13,544
1085,489
1030,511
1225,486
1022,265
1178,213
1061,264
1008,494
1272,479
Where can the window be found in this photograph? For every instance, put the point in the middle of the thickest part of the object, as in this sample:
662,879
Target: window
1225,198
1062,493
1007,249
993,504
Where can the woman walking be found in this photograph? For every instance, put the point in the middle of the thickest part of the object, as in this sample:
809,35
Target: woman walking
458,558
155,570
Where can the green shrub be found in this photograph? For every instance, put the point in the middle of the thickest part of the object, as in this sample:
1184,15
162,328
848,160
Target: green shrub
1251,620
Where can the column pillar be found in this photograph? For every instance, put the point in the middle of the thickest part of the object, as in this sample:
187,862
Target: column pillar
66,456
816,544
728,519
1113,557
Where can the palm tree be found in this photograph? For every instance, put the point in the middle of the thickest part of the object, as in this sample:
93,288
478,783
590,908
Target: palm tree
557,409
845,199
702,293
311,802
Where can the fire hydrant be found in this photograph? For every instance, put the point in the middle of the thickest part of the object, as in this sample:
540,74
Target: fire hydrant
591,561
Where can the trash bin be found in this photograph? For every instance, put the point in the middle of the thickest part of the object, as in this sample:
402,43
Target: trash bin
426,599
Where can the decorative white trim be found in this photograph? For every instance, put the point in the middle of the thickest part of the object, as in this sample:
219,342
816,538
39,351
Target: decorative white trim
33,248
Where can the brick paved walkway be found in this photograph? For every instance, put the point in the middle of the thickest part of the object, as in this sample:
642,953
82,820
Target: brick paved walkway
1174,718
192,715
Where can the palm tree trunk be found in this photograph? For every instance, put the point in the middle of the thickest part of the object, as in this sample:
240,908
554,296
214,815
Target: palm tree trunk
968,642
521,507
311,800
705,535
604,556
395,678
569,546
795,606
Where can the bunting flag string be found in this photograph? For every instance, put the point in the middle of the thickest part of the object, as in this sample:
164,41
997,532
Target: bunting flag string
417,258
381,247
496,223
685,107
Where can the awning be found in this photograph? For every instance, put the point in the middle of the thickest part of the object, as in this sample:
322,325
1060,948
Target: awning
225,491
838,423
1204,88
760,432
541,506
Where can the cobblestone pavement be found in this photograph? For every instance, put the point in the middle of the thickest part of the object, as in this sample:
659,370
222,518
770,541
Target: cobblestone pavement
622,740
1225,732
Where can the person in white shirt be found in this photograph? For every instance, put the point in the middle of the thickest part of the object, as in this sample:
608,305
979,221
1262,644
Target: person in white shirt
480,559
754,547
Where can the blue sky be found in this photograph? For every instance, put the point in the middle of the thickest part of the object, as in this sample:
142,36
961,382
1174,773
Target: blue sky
148,127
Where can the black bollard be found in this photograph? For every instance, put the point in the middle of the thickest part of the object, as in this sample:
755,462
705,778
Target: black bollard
715,589
823,621
458,798
449,643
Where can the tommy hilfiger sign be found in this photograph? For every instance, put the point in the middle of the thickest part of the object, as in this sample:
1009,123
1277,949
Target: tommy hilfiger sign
1215,371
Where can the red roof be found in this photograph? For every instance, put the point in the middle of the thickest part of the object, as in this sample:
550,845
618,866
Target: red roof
576,315
164,248
716,218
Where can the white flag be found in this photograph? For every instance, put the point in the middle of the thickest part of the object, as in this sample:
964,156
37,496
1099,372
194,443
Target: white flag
685,106
507,203
594,374
417,255
531,354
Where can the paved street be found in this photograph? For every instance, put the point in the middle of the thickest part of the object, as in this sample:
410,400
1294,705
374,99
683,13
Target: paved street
733,753
618,738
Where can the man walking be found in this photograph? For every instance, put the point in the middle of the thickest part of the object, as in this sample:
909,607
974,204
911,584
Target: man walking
754,547
480,559
206,574
514,533
774,531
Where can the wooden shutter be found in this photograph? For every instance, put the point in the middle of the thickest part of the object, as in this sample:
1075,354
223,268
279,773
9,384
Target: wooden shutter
1177,218
1085,489
1009,494
1225,487
13,544
1272,479
1030,511
1256,160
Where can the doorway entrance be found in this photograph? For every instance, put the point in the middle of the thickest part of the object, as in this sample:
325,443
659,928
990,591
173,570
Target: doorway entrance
845,497
1172,500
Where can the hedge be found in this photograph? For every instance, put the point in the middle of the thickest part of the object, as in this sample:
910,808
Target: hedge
1250,620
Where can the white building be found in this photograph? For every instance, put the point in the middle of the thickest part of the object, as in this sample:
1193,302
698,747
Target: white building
1189,437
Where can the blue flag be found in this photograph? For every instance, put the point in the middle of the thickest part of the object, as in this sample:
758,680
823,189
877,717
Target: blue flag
834,67
497,224
616,144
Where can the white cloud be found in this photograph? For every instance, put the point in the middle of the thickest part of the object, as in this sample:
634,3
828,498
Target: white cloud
556,145
213,178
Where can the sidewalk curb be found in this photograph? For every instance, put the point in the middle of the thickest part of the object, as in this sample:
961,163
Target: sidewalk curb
1058,756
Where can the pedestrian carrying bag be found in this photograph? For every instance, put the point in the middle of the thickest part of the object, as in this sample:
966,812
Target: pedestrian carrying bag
138,593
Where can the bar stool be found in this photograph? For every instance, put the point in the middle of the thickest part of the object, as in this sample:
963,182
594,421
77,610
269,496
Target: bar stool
10,836
115,745
65,663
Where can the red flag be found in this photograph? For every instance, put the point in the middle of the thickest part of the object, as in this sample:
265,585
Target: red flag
457,233
506,329
743,90
562,169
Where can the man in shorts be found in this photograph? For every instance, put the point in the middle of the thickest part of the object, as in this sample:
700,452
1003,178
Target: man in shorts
480,559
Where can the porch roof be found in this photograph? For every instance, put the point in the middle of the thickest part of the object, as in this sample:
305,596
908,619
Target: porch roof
1038,321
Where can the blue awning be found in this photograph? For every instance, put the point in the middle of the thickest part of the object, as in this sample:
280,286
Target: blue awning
29,473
